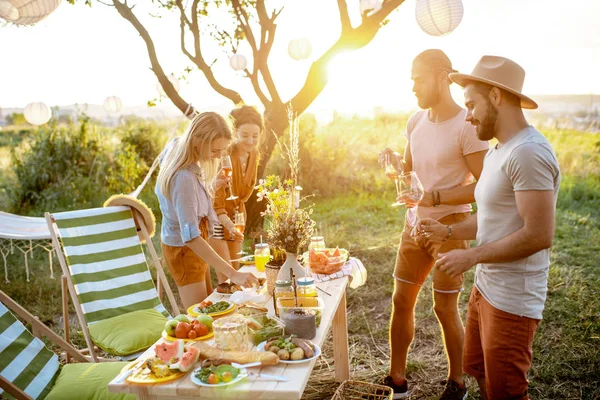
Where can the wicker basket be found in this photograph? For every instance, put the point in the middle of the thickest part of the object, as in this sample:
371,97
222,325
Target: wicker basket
357,390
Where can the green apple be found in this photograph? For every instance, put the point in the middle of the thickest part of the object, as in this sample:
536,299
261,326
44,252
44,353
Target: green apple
182,318
206,320
170,327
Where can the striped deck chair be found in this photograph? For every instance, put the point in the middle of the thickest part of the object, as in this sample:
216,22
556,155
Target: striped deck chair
111,287
28,370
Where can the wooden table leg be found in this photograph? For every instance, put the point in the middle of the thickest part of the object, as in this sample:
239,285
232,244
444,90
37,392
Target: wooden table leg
340,342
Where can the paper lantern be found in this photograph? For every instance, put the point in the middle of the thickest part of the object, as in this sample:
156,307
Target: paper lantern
174,81
26,12
299,49
238,62
439,17
37,113
113,104
369,5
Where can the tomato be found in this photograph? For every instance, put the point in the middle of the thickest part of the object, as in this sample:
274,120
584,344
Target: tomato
226,376
213,379
192,334
201,329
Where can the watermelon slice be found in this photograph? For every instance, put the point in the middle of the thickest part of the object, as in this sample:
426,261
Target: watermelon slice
169,353
187,360
336,253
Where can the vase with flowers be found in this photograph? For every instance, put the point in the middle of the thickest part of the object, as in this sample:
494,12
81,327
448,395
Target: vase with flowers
290,226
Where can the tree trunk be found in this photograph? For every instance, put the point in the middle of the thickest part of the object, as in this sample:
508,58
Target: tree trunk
276,122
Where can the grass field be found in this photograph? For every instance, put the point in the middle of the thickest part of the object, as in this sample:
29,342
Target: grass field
566,362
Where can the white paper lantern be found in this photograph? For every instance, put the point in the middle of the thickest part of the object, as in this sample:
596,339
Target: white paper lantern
439,17
299,49
113,104
174,81
26,12
369,5
238,62
37,113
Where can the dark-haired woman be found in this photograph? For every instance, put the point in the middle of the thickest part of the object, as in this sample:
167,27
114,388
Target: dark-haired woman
248,126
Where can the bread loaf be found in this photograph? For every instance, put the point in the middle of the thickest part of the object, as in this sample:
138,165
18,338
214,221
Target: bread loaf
240,357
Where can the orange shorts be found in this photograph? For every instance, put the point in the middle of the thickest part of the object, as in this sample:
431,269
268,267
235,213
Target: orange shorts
498,347
414,261
184,265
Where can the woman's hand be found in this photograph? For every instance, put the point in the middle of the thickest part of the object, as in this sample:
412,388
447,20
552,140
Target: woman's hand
221,180
245,279
237,236
433,230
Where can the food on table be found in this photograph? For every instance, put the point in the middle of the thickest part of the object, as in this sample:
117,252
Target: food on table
327,261
262,327
290,347
227,288
209,308
182,330
315,304
214,375
169,352
170,327
240,357
182,318
300,322
231,333
187,360
206,320
251,308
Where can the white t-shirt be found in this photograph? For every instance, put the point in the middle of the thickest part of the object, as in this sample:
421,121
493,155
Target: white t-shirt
525,162
438,153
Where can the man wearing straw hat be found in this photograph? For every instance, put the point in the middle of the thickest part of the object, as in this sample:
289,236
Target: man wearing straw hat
514,227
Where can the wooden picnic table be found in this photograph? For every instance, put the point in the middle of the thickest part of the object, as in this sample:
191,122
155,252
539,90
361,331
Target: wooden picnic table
334,315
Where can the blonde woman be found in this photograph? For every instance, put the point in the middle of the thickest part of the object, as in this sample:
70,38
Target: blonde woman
185,188
249,125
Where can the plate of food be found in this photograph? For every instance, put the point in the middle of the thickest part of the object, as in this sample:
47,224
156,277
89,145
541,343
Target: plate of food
213,309
325,261
217,376
228,288
188,328
170,361
290,349
246,260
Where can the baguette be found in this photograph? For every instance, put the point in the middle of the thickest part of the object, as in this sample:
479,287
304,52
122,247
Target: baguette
240,357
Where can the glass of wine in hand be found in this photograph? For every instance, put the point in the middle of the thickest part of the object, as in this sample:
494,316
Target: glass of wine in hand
409,189
239,222
228,171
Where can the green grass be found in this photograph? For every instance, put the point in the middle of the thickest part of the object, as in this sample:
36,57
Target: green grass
357,216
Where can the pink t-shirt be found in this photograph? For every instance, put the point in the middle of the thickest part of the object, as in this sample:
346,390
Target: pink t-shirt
438,151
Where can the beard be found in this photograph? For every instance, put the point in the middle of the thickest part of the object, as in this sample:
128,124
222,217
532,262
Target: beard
486,128
429,99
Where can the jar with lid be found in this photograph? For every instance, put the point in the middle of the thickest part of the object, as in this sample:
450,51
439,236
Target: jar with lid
306,287
316,243
262,255
284,289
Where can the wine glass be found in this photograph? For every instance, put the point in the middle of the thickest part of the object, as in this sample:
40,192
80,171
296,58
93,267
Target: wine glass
239,222
409,189
228,171
389,169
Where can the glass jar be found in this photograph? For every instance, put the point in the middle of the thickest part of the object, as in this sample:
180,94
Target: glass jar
231,333
262,255
284,289
316,243
306,287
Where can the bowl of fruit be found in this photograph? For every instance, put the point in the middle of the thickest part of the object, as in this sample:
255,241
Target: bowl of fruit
326,261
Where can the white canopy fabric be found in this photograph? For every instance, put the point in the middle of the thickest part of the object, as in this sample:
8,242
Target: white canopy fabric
17,227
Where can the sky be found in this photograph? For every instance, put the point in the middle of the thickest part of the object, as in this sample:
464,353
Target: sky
82,55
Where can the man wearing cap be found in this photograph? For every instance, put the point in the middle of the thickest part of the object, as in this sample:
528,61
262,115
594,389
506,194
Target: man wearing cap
514,226
444,152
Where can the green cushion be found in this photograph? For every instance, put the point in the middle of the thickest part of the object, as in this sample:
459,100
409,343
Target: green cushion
128,333
87,381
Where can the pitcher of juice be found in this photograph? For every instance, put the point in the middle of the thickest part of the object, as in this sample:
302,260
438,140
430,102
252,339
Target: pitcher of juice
262,255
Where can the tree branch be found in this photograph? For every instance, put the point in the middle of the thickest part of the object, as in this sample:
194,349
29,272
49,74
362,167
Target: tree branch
127,13
352,39
344,16
256,85
244,21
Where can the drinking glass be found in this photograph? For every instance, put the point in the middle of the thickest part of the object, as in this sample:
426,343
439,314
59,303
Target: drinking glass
239,222
409,189
227,169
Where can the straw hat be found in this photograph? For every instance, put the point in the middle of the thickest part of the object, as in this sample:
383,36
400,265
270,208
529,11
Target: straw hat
499,72
144,210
